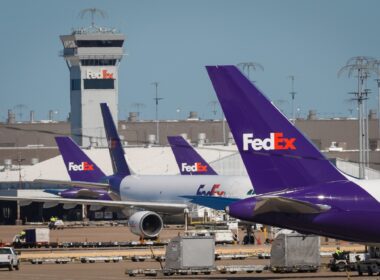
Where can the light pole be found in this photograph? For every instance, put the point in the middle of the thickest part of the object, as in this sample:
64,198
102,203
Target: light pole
246,66
376,66
293,95
155,84
362,66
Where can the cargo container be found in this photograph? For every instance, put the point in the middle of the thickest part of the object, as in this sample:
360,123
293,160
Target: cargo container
37,235
295,252
190,252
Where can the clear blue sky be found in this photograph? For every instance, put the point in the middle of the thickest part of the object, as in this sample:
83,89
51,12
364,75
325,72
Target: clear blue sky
171,42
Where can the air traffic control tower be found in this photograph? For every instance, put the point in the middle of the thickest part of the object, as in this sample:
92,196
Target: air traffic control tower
92,55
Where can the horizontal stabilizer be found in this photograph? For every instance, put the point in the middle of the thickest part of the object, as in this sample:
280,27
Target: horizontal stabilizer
214,202
79,193
88,193
287,205
74,184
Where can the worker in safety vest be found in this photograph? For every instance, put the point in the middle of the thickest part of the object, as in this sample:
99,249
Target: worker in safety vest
338,252
22,235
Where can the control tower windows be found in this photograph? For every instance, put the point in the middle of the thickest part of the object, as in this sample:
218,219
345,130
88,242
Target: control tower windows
97,62
99,84
99,43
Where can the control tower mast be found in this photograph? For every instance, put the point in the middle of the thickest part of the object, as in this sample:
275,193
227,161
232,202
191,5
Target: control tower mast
92,55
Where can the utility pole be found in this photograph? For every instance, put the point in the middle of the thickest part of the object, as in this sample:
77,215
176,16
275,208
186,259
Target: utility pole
293,95
361,66
155,84
19,160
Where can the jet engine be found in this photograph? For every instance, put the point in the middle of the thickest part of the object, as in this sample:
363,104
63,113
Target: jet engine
146,224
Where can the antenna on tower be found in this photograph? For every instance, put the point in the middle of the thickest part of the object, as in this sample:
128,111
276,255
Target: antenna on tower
93,12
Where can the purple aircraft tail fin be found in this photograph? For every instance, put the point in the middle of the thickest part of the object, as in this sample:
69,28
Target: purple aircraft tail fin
79,166
276,154
119,164
188,160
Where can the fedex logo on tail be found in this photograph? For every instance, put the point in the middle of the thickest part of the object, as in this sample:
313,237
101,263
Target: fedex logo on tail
83,166
276,141
196,167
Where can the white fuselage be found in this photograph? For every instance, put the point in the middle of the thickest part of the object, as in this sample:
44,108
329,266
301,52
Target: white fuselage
171,188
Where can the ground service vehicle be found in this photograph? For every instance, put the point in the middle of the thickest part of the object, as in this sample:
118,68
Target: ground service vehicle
34,237
9,259
346,261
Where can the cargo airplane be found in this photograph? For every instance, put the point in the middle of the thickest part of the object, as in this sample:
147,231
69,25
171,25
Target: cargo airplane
188,160
296,186
148,195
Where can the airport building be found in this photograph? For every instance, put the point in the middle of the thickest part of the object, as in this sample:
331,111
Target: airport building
28,152
92,55
33,142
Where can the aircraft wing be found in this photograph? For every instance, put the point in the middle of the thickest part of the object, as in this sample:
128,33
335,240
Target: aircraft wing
81,184
163,207
287,205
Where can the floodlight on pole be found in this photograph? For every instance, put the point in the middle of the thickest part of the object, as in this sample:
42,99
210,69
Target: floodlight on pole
362,66
376,68
247,66
155,84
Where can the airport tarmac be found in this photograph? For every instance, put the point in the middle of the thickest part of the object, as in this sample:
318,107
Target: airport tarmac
116,271
118,233
101,270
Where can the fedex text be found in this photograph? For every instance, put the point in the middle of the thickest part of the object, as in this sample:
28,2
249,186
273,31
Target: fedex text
83,166
196,167
276,141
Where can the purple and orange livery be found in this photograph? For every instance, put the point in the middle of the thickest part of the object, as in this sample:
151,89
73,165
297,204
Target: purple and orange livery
297,187
188,160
